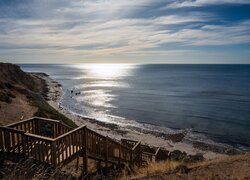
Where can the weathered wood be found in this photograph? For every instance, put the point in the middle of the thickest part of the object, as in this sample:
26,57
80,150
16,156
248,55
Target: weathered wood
85,155
106,152
77,163
65,144
53,153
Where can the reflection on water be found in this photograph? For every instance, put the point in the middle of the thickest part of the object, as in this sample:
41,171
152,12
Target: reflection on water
97,98
96,85
106,71
210,99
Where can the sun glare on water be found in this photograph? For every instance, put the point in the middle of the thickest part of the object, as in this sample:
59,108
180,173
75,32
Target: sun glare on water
109,71
97,83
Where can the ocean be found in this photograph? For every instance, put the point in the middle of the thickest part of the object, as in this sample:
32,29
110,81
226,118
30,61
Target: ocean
210,102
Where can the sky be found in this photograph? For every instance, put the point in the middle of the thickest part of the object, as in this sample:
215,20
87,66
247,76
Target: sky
125,31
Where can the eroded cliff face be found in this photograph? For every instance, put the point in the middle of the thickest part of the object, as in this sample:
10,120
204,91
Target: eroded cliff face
15,89
12,75
22,95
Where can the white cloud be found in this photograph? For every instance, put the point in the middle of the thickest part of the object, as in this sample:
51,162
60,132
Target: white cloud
104,28
198,3
121,36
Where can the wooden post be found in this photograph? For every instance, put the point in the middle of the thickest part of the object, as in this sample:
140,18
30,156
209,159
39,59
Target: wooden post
106,154
53,153
7,140
85,153
140,155
24,144
77,163
120,153
36,127
131,156
1,141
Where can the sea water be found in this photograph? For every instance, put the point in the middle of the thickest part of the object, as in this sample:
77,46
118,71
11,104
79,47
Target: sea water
208,101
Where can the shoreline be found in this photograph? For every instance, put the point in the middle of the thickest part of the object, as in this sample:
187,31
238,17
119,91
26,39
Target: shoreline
170,142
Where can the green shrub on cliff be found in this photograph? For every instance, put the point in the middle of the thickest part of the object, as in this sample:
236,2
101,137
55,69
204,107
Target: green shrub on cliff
6,97
46,111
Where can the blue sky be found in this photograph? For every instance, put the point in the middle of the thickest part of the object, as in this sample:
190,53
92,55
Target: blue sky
125,31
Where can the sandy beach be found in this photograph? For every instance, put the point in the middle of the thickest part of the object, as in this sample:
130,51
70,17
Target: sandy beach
168,141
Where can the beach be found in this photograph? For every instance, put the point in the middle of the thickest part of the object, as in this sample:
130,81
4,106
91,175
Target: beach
170,142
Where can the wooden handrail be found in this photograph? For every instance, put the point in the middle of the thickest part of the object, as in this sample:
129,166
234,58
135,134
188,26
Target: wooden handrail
157,151
70,132
13,130
112,140
62,123
129,140
40,137
153,154
20,122
56,150
147,153
47,119
138,144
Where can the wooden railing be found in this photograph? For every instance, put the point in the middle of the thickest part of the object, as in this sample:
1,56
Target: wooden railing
38,147
150,156
24,138
42,126
104,148
11,140
68,145
129,143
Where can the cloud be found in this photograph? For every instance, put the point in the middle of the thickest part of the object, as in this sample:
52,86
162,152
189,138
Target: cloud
106,28
111,37
199,3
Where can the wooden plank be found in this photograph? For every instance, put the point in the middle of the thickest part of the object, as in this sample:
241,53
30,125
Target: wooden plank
29,130
53,153
66,145
85,155
6,140
106,150
12,130
54,130
19,122
25,127
46,119
1,140
39,137
71,145
66,134
24,144
39,150
42,150
29,146
32,127
13,142
19,140
36,149
120,153
46,152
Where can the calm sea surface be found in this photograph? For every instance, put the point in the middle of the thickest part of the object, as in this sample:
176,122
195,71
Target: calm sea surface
209,101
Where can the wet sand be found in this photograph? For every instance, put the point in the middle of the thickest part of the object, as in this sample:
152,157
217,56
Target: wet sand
168,141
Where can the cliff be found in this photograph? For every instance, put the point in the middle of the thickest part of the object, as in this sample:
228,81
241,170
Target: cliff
22,95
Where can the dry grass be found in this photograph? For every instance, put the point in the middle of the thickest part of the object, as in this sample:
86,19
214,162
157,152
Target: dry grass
233,167
156,168
30,169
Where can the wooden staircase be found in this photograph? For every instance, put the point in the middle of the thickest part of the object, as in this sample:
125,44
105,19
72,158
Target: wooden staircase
52,142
